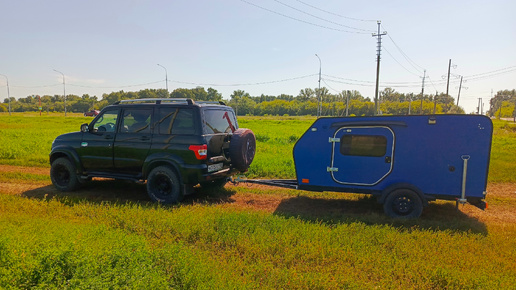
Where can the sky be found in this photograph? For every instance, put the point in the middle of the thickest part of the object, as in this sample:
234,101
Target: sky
269,47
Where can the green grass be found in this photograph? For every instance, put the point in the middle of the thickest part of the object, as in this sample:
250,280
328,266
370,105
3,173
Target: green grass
26,140
60,243
503,152
309,241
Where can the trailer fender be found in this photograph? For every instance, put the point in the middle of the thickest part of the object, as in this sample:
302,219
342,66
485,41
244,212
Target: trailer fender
391,188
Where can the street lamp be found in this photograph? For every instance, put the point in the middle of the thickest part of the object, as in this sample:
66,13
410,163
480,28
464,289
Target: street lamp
64,89
166,77
8,97
319,101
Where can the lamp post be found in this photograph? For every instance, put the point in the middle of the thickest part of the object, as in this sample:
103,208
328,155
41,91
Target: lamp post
319,101
166,78
64,89
8,97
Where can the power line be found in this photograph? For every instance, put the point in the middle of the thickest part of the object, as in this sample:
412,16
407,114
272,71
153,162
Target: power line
111,87
410,61
300,20
399,62
320,18
335,14
246,84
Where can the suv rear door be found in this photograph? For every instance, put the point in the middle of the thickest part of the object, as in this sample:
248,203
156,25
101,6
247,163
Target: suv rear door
218,125
133,141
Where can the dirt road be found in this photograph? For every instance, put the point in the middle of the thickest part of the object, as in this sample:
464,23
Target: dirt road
501,198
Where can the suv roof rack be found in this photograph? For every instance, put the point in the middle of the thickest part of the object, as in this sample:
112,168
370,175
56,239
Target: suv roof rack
170,100
158,101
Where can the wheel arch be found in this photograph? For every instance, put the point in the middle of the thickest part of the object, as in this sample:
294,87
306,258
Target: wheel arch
149,165
69,153
402,185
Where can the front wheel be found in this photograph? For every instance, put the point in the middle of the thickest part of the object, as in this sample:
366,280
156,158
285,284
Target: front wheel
163,185
63,175
403,203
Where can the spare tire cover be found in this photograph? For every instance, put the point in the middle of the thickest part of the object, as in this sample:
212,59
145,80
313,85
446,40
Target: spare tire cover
242,148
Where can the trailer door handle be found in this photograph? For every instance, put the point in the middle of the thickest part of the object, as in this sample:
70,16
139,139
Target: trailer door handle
387,159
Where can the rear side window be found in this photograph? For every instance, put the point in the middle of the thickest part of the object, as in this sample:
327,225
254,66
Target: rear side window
363,145
176,121
136,120
219,121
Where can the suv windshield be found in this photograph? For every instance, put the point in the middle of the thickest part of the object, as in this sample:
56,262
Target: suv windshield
219,121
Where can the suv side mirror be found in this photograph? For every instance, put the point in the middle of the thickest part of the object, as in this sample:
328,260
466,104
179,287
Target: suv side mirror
85,128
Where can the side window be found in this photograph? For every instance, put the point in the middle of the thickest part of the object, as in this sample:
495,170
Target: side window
219,121
176,121
363,145
136,120
106,122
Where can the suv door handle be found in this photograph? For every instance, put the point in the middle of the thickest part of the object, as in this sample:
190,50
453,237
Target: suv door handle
108,137
145,138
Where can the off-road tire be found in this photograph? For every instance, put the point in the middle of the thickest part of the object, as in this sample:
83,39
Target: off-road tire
242,148
63,174
163,185
403,203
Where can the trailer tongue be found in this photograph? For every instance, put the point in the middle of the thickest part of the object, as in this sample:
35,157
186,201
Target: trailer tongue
405,161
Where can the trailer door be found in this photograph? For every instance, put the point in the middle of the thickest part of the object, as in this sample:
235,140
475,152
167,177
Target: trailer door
362,155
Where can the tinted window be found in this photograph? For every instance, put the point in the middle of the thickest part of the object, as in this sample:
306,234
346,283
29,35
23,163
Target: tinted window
363,145
136,120
106,122
218,121
176,121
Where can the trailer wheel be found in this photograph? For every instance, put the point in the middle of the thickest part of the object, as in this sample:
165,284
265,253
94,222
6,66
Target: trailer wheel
403,203
242,148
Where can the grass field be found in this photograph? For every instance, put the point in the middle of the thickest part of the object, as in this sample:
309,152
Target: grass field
109,235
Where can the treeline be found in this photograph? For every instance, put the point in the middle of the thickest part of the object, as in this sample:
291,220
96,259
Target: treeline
503,104
349,102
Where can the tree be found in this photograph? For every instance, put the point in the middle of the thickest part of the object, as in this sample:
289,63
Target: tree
305,95
213,95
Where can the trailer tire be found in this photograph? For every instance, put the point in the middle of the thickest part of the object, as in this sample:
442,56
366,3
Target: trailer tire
242,148
403,203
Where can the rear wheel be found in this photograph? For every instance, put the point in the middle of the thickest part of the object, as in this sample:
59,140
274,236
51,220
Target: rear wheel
63,174
163,185
403,203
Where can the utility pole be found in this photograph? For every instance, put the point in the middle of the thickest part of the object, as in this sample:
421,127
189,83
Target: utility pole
435,101
347,104
410,104
319,101
423,92
8,96
378,51
448,82
64,89
479,105
460,86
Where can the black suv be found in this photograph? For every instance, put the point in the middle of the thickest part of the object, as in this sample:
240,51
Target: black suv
173,144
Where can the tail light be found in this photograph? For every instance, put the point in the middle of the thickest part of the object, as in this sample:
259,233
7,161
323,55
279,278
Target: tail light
201,151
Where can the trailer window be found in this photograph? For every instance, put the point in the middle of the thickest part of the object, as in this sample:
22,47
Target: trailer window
363,145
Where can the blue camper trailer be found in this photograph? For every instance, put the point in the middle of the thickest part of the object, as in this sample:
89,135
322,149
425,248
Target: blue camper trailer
405,161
